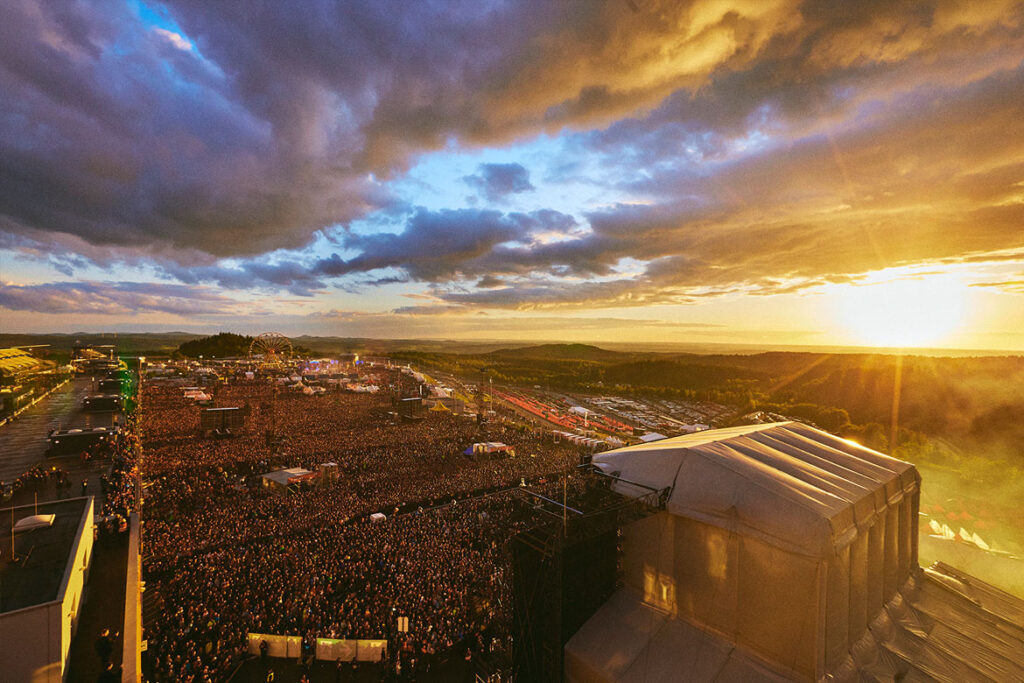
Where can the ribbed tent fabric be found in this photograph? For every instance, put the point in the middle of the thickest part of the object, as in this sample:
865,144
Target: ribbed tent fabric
784,541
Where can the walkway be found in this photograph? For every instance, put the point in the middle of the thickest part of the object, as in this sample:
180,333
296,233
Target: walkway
23,443
102,607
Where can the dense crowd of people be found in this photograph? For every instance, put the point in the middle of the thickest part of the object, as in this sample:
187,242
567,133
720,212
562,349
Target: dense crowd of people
229,556
119,485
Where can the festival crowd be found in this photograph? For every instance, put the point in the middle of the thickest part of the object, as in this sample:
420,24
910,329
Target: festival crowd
228,556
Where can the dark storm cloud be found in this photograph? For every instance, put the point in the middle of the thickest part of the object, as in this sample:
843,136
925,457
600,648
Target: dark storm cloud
490,282
932,176
438,245
497,181
113,134
775,143
113,298
293,276
258,126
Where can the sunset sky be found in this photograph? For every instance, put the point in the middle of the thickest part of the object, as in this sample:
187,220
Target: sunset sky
760,172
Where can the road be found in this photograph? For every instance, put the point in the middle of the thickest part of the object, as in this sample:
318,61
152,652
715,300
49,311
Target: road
23,441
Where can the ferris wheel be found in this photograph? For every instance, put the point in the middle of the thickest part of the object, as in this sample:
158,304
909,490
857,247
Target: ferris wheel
270,348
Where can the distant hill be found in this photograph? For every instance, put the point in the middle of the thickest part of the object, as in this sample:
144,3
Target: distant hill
674,373
370,346
562,352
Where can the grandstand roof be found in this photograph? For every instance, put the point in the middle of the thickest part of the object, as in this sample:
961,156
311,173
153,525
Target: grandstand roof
14,360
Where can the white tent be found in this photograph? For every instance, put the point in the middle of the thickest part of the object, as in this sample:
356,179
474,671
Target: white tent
783,540
652,436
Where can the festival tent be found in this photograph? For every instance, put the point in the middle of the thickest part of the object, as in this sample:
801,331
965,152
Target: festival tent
695,427
280,480
492,447
786,553
652,436
781,539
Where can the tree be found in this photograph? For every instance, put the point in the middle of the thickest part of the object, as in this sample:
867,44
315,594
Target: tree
222,345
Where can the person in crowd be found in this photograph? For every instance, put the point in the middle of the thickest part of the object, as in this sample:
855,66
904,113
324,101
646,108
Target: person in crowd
105,646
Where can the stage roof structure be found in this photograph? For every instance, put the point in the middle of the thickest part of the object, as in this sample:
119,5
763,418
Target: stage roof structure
786,553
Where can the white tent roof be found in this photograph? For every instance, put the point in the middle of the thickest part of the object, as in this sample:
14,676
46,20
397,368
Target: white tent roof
794,486
652,436
785,550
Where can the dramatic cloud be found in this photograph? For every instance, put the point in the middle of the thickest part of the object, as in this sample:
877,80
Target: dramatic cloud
293,276
1008,286
497,181
252,127
691,149
442,245
113,299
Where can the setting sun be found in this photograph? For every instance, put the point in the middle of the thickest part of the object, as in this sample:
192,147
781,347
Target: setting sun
915,312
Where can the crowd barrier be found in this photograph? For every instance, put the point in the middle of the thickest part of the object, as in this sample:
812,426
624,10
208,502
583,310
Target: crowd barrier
327,649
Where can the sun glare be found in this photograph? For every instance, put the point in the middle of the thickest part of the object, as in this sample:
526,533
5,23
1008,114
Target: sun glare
903,313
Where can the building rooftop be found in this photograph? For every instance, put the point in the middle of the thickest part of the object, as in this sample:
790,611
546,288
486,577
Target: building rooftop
42,554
